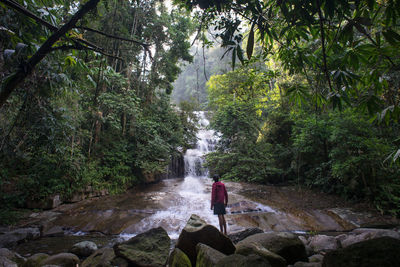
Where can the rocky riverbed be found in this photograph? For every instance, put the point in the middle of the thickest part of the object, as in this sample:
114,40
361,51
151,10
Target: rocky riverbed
201,244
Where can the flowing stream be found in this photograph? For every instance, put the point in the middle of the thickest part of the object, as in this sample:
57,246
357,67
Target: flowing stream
192,195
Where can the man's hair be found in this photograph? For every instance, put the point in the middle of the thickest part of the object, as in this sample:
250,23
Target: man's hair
216,177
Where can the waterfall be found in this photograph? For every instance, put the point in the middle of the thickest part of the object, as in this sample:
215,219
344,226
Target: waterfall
190,196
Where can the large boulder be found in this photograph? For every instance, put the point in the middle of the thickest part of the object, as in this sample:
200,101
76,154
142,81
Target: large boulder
198,231
320,243
363,234
248,249
84,248
61,259
179,259
6,262
101,258
307,264
285,245
207,256
237,260
12,238
379,252
239,236
35,260
150,248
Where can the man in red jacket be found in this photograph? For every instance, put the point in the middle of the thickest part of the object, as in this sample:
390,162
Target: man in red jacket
219,200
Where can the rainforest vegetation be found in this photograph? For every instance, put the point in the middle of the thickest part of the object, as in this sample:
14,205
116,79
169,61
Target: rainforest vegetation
310,96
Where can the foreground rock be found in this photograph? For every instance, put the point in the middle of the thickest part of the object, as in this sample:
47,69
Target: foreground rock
150,248
35,260
62,259
207,256
84,248
198,231
179,259
379,252
239,236
101,258
323,243
237,260
363,234
285,245
248,249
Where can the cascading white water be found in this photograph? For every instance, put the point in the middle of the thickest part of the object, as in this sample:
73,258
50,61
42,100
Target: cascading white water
192,196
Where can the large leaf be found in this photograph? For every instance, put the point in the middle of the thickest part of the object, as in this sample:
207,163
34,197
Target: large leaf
250,43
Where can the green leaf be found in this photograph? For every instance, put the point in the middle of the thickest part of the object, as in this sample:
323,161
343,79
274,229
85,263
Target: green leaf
250,43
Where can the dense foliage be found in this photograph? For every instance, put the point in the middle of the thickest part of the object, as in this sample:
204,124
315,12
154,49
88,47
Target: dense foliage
91,118
316,100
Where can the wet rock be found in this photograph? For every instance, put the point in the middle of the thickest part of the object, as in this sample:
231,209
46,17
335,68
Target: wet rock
101,258
48,203
316,258
150,248
35,260
237,260
207,256
62,259
55,231
352,239
198,231
84,248
239,236
285,245
379,252
11,239
179,259
7,262
242,207
247,249
375,233
309,250
10,257
320,243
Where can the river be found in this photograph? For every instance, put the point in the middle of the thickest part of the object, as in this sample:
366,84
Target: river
171,202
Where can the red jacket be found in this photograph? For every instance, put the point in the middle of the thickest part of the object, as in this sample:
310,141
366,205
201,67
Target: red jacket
219,194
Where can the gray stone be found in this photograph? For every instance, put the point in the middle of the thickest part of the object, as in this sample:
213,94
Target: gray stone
84,248
352,239
239,236
150,248
378,252
207,256
320,243
6,262
285,245
12,238
101,258
375,233
62,259
179,259
198,231
55,231
247,249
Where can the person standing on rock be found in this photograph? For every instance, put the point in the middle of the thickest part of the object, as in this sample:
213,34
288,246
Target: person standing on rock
219,200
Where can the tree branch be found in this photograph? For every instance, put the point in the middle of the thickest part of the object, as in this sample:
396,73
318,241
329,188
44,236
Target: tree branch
112,36
10,83
27,13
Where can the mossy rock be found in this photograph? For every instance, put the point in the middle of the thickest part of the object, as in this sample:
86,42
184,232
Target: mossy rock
101,258
35,260
150,248
237,260
179,259
247,249
207,256
62,259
